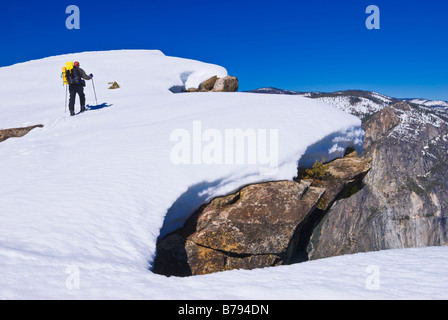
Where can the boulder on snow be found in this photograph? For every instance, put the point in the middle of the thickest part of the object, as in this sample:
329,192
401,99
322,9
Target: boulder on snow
227,84
16,132
208,84
215,84
113,85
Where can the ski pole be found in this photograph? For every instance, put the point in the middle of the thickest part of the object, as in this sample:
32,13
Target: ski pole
66,90
94,91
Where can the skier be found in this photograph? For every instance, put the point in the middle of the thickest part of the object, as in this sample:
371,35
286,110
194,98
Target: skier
76,86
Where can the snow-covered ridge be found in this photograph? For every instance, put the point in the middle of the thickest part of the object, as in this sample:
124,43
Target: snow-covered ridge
138,72
363,103
430,103
89,194
361,107
413,117
413,120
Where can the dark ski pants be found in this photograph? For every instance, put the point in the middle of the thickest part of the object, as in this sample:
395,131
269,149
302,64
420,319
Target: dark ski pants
76,89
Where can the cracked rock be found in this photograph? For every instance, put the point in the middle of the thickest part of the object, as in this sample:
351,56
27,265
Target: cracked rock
261,225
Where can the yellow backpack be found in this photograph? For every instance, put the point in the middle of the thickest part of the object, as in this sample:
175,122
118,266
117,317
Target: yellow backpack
68,67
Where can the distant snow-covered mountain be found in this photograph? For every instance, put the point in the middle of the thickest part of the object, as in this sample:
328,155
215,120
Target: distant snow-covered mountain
429,103
358,102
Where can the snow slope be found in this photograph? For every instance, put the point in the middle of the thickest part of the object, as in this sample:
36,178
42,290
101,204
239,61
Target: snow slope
34,90
84,199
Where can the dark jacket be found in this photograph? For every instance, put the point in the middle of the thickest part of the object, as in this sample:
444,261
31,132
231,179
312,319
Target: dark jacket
83,74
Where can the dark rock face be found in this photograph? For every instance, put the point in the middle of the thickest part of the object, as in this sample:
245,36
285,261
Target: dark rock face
404,200
261,225
379,125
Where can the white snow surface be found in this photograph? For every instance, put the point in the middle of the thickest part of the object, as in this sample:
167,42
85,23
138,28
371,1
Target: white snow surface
83,200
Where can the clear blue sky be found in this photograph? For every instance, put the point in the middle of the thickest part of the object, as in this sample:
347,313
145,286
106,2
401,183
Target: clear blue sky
304,45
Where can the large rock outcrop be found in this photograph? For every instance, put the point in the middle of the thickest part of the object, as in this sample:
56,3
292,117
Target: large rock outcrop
404,200
265,224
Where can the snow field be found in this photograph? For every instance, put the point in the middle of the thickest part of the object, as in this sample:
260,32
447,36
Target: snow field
84,199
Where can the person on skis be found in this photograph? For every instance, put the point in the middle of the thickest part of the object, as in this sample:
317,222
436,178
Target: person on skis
76,86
